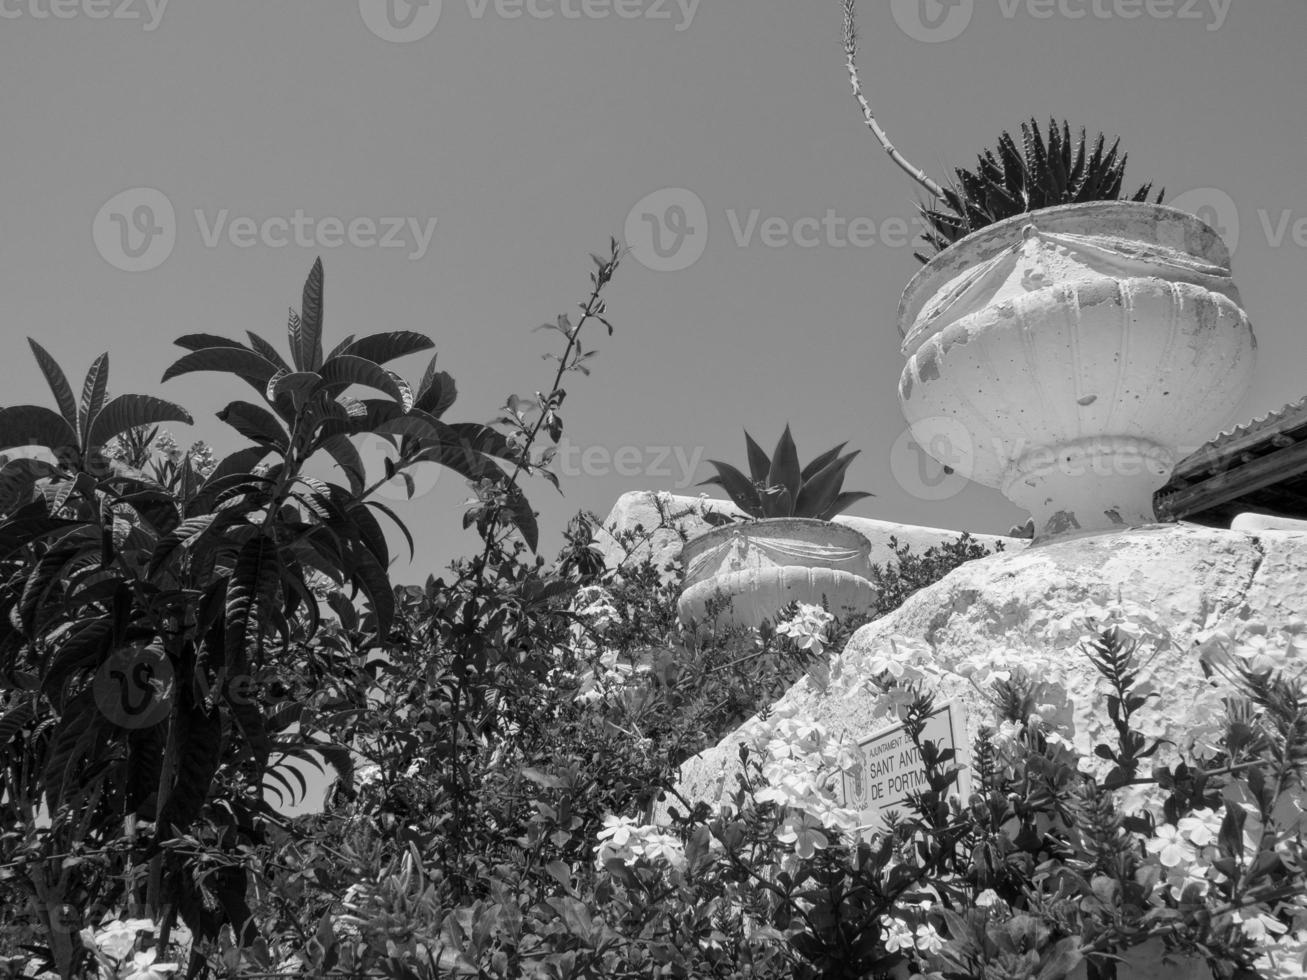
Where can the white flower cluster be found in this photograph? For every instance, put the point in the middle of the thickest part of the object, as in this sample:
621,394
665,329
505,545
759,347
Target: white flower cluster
900,937
1249,645
1185,852
626,840
1261,649
609,677
896,675
809,627
1046,677
596,609
800,762
114,945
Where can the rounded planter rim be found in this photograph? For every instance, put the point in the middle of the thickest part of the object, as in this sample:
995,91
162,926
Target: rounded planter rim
1204,243
707,539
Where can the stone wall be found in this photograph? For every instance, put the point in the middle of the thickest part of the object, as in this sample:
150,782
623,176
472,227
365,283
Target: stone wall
1192,578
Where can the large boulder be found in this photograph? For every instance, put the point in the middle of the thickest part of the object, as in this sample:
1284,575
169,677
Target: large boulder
660,513
1193,579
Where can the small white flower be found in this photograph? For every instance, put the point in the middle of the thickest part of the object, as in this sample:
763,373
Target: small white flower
987,898
143,967
928,940
1170,847
898,936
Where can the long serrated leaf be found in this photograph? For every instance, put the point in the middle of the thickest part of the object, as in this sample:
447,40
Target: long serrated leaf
94,389
310,338
375,583
264,348
17,479
58,382
256,424
201,341
35,425
347,458
128,411
384,347
249,591
344,370
240,462
403,528
233,360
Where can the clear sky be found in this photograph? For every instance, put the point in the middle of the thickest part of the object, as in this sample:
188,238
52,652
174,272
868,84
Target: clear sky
529,131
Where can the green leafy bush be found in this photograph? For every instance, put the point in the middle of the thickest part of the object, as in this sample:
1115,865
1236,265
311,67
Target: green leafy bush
506,741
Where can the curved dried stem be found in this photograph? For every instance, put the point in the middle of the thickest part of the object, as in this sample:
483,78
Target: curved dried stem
851,53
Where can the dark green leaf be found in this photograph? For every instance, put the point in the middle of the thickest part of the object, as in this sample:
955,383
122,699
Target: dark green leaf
128,411
233,360
58,382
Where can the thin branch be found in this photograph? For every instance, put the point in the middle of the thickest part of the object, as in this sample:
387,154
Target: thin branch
851,62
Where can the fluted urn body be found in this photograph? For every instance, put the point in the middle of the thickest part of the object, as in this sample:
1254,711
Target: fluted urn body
1071,356
763,566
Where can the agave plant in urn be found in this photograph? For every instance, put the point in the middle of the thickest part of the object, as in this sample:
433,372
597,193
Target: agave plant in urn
1065,345
787,548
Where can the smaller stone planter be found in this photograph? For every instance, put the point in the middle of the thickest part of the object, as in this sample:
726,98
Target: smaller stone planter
763,566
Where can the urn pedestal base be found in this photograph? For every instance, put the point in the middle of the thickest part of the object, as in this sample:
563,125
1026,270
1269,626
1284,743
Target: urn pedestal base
1094,485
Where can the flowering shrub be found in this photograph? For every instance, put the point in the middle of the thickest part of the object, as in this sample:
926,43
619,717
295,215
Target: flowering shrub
507,741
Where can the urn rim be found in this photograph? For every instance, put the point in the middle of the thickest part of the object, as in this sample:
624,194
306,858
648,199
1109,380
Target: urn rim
1191,233
701,542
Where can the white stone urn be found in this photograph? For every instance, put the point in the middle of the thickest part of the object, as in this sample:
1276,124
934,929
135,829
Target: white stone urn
1070,357
765,565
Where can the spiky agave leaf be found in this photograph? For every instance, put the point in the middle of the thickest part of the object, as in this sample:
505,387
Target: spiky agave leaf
780,487
1046,170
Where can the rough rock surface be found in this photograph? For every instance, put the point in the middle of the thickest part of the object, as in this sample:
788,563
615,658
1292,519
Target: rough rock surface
1192,578
642,508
